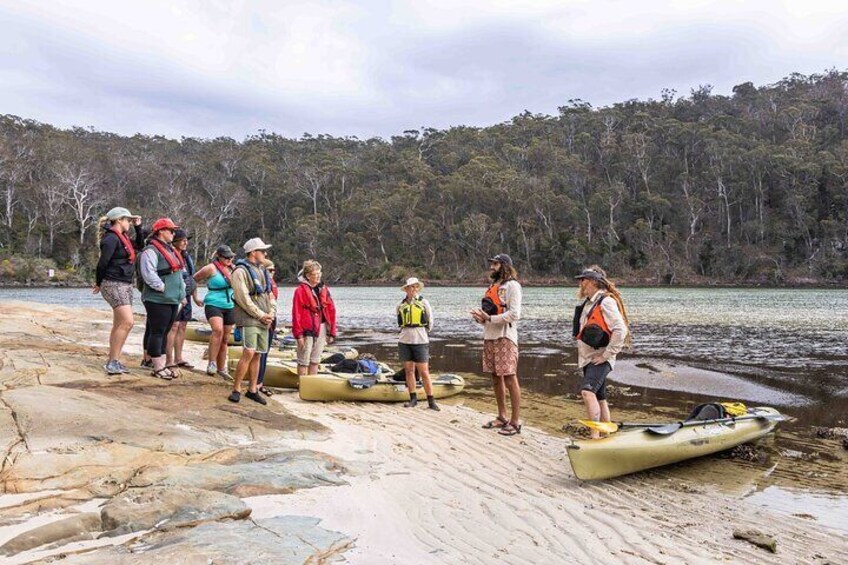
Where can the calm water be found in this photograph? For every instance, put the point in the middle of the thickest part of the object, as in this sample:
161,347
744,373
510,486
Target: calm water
789,339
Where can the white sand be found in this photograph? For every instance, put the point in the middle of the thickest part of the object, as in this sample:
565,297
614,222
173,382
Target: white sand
442,490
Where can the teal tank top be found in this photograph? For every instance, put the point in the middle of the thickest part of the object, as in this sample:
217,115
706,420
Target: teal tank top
220,294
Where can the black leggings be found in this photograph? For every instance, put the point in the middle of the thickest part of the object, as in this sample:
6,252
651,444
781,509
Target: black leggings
160,318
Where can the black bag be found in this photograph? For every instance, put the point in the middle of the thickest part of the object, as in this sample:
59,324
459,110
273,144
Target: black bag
575,323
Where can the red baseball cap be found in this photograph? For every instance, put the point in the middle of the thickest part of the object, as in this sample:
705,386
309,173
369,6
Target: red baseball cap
164,224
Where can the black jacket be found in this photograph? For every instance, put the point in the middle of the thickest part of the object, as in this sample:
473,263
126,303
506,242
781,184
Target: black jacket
114,263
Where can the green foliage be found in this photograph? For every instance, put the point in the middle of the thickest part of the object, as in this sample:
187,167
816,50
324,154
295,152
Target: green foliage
705,188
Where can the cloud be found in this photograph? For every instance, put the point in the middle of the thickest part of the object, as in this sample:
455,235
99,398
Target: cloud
207,69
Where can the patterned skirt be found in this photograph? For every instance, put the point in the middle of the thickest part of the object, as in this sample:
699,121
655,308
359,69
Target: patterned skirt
500,357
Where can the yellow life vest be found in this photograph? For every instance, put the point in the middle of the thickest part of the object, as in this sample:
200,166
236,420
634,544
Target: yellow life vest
412,314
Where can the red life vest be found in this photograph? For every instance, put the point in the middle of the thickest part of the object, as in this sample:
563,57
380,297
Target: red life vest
125,241
224,270
169,254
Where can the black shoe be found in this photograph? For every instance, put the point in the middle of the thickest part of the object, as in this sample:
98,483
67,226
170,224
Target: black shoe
147,363
254,396
235,396
411,403
433,406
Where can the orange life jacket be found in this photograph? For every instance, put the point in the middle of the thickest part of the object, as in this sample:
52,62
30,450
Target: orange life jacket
595,332
492,304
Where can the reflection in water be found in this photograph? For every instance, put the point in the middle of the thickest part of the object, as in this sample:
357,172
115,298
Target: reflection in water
829,509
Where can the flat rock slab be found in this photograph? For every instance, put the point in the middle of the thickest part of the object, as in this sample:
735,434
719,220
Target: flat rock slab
166,508
74,528
283,539
252,474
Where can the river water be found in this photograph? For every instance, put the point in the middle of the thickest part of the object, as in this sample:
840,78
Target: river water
782,347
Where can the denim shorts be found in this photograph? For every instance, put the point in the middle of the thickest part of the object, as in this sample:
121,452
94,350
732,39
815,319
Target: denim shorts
417,353
595,379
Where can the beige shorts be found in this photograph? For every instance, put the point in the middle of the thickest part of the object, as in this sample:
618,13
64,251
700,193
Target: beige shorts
500,357
312,349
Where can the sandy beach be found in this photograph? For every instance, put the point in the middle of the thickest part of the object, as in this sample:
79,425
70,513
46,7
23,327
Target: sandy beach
383,484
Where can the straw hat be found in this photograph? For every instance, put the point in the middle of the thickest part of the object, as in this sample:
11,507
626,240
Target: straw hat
412,281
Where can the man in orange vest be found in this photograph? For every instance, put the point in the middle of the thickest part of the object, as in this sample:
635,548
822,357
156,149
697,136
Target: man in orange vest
601,332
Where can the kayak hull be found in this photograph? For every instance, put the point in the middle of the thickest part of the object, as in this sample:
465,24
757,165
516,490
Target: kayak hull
289,353
637,449
279,373
328,387
201,334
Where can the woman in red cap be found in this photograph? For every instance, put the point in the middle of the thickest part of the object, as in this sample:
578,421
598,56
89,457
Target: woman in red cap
163,290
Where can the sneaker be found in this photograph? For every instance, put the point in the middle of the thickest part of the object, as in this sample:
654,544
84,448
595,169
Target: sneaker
225,375
113,367
211,368
124,368
256,397
147,363
235,396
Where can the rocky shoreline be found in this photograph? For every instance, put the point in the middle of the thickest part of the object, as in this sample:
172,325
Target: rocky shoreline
135,470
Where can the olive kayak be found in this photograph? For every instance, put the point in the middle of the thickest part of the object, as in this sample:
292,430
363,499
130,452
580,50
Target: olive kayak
279,373
636,447
291,353
328,386
201,333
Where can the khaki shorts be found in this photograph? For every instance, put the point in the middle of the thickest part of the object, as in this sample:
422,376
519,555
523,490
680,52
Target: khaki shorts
255,338
312,349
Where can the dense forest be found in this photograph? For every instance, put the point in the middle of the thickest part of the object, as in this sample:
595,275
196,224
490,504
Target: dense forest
705,188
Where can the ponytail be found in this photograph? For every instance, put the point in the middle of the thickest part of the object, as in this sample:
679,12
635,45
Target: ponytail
101,223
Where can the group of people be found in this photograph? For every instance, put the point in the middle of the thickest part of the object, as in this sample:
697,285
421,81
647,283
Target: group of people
242,293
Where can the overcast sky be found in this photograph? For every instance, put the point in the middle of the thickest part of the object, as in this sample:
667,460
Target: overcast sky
375,68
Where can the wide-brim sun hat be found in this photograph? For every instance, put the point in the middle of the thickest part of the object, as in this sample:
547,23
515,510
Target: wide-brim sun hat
412,281
164,224
117,213
255,244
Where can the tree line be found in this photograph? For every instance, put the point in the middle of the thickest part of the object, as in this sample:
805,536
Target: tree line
750,187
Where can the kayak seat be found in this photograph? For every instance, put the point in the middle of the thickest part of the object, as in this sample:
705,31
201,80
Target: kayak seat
708,411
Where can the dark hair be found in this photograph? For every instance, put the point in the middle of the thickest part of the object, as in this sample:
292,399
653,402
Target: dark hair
506,273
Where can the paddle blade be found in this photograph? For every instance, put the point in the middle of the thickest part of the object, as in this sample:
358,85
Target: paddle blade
605,427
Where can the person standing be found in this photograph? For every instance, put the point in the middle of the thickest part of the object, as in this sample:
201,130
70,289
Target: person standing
255,311
601,329
415,318
499,314
163,291
176,337
313,318
263,362
218,306
114,277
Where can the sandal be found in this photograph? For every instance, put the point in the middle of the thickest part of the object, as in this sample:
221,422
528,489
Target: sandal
175,371
496,423
185,365
266,391
164,374
510,429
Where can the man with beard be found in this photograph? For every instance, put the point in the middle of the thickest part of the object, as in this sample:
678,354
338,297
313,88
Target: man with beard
499,315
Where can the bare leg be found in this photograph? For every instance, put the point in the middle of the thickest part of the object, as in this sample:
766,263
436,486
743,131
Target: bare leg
179,339
254,373
593,410
170,339
605,413
409,367
215,340
511,383
313,368
500,394
122,323
223,350
243,367
423,370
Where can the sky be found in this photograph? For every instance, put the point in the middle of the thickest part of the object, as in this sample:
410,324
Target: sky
376,68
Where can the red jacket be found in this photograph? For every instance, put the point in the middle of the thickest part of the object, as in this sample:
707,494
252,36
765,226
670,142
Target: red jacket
306,316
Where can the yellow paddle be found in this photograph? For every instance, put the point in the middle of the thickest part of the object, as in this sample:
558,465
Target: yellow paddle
605,427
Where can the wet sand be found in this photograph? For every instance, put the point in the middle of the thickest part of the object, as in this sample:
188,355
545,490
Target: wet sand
428,487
